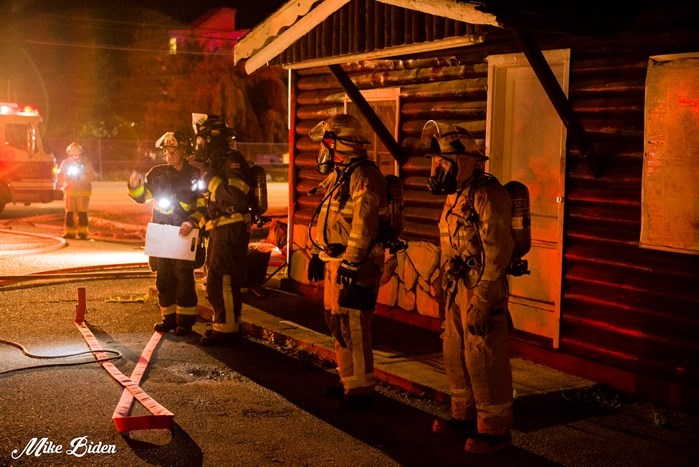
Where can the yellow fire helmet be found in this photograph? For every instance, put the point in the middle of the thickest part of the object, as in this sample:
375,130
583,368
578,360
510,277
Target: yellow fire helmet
445,139
74,149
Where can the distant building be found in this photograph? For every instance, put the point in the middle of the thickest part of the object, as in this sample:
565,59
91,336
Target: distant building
213,32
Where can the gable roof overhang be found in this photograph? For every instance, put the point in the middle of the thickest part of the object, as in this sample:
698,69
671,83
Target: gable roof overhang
298,18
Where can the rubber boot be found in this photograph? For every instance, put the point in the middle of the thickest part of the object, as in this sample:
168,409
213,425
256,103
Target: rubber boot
169,323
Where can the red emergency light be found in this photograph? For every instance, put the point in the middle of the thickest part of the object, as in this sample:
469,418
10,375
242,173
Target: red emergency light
12,108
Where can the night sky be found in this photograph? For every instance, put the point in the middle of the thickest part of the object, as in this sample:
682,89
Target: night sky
66,57
249,12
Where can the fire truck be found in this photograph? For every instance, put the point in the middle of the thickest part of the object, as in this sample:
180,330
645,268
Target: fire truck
27,170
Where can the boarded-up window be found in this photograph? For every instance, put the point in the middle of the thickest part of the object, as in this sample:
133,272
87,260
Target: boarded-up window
385,103
670,204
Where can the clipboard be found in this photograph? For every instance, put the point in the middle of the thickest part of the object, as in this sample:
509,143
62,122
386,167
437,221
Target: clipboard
164,241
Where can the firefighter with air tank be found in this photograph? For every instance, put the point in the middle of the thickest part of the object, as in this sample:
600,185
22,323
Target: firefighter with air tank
476,252
347,252
233,202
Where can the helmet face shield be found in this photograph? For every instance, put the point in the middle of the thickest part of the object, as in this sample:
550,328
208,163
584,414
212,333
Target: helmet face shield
445,138
341,127
317,132
343,130
443,173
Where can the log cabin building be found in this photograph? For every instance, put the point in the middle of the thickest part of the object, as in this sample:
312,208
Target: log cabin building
593,105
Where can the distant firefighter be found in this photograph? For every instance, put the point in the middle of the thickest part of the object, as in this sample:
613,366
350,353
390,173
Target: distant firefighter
76,175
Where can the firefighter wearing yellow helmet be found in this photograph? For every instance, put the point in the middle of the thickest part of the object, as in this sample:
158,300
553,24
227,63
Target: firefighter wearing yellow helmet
476,246
173,190
346,254
76,174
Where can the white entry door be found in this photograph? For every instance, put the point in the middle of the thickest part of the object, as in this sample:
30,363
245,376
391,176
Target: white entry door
525,139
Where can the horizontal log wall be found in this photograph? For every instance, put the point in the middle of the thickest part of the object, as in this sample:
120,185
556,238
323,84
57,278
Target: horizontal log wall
631,308
452,90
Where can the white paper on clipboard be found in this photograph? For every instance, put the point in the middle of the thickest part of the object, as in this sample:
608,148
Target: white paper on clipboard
164,241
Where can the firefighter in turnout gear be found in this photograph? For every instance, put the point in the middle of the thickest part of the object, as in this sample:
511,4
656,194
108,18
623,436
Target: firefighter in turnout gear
345,252
476,246
76,175
229,196
173,189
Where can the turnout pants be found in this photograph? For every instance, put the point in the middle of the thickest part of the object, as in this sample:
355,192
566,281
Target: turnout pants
226,269
177,295
478,371
355,357
76,202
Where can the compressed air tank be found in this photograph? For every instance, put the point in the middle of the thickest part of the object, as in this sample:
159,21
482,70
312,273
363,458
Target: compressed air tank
259,177
521,218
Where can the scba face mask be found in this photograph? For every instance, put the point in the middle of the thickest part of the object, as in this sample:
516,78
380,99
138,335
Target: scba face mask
446,142
326,155
200,150
212,135
443,174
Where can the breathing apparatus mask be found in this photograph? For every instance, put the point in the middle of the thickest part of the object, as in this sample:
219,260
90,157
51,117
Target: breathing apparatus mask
446,143
340,137
443,172
213,137
326,154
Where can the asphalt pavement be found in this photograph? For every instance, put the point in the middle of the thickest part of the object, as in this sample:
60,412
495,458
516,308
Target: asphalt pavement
563,419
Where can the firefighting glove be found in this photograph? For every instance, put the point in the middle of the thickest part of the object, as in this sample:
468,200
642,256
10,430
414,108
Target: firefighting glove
456,267
316,269
477,320
347,274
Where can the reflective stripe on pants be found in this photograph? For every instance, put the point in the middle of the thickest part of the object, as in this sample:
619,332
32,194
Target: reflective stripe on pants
356,361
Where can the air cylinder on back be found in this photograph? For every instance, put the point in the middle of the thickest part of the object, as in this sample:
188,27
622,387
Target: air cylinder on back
259,176
521,226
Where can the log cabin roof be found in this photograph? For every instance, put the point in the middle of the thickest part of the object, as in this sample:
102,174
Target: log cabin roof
306,33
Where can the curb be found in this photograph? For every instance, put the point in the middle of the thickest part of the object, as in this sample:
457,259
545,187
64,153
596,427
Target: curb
261,325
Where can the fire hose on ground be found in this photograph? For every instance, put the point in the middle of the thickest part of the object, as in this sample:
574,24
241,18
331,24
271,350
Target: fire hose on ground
159,417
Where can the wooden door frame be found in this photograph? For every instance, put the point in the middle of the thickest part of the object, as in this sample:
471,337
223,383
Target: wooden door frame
497,63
